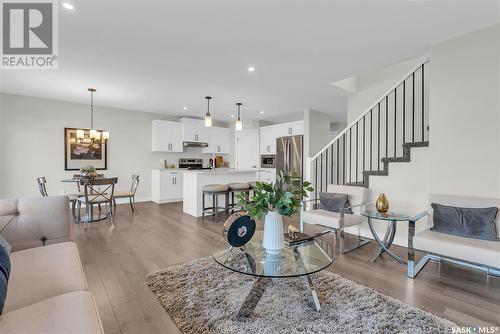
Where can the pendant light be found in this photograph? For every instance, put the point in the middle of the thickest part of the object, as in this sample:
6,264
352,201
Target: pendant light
208,118
239,124
94,134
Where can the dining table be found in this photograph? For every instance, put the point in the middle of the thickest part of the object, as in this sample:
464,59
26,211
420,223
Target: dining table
81,180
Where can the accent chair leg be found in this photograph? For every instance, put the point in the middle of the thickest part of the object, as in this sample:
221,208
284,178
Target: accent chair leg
131,205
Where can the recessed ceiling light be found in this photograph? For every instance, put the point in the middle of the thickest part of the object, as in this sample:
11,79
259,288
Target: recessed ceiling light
261,112
185,107
232,116
67,5
251,69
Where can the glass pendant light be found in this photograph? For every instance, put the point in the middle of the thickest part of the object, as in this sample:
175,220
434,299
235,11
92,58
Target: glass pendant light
239,124
93,132
208,118
80,134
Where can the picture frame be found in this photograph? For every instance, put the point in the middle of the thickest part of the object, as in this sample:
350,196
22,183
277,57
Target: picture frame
84,152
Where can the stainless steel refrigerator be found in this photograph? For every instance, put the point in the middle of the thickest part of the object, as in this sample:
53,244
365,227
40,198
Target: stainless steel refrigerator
289,156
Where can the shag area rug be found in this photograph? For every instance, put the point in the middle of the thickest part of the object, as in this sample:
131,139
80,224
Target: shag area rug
203,297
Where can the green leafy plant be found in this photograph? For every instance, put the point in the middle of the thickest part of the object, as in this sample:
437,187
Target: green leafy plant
283,196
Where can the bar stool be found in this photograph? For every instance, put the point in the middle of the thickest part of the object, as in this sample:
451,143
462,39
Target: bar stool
214,190
252,185
236,188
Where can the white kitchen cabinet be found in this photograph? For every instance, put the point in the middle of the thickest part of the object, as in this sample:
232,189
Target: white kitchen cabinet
267,175
291,129
194,130
218,141
166,186
268,135
166,136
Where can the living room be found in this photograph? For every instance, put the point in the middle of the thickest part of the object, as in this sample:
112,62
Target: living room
233,167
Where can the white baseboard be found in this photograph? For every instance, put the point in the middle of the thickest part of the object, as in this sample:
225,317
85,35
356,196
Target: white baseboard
137,199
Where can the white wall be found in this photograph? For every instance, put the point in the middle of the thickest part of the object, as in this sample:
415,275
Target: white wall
464,119
371,86
32,135
465,115
316,131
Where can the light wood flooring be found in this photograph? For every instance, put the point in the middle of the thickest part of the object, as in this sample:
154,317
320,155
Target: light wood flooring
116,260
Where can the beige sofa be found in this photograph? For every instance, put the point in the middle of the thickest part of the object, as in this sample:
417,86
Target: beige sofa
474,253
46,292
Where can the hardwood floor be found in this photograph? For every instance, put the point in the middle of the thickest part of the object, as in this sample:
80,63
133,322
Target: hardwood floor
116,260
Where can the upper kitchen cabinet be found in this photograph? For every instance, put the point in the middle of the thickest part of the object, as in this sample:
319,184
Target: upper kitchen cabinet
291,129
218,141
268,135
166,136
194,130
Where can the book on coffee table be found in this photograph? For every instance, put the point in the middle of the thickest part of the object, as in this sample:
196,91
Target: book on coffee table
297,238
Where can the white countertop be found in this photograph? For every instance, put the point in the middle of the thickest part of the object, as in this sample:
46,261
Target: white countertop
222,171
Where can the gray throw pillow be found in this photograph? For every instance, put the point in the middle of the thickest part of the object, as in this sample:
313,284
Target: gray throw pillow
5,244
477,223
333,202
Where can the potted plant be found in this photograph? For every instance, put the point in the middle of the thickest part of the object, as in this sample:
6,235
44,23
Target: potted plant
88,171
271,202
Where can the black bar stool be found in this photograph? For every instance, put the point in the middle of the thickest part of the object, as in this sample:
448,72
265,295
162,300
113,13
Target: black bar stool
252,185
236,188
214,190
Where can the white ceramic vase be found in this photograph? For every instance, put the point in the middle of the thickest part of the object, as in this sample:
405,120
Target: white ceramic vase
274,238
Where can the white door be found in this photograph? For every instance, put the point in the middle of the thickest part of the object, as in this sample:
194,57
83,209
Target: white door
247,149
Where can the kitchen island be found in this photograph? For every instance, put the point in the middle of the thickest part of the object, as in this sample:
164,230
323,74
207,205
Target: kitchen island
194,180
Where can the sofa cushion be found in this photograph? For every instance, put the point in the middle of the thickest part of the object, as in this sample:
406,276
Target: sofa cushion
334,202
476,223
329,219
473,250
35,219
44,272
74,312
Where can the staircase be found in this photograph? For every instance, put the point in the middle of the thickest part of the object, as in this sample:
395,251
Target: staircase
385,133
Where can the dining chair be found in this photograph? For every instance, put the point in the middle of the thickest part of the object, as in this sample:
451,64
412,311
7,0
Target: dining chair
96,192
42,187
130,194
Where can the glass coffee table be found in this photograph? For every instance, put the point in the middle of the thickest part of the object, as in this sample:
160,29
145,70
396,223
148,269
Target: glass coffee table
391,218
293,261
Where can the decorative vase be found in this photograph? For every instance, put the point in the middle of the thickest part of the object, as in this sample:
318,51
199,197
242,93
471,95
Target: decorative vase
382,203
274,238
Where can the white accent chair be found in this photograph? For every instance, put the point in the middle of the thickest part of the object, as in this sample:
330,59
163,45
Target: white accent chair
477,254
338,221
46,290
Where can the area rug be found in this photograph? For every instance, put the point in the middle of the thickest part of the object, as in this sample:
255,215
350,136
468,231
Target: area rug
203,297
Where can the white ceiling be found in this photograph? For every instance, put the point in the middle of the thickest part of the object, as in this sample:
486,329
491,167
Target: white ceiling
160,56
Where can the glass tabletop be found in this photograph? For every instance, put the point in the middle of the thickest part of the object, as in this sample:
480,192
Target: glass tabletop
298,260
392,216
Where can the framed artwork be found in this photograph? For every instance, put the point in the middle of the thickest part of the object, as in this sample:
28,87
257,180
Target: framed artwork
79,152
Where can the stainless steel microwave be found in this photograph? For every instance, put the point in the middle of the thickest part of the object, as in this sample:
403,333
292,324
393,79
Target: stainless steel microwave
268,161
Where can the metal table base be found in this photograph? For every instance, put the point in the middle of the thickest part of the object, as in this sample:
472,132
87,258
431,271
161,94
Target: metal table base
387,242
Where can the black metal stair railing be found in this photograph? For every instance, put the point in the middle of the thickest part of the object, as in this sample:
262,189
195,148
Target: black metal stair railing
385,133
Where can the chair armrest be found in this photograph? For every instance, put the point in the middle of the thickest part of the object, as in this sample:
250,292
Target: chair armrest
411,234
305,201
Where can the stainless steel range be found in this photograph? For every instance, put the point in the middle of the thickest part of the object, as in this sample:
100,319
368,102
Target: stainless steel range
191,164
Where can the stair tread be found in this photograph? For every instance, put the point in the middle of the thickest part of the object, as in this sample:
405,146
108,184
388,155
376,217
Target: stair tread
376,172
356,184
397,159
416,144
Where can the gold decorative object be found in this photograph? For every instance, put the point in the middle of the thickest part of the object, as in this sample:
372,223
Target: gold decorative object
382,203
